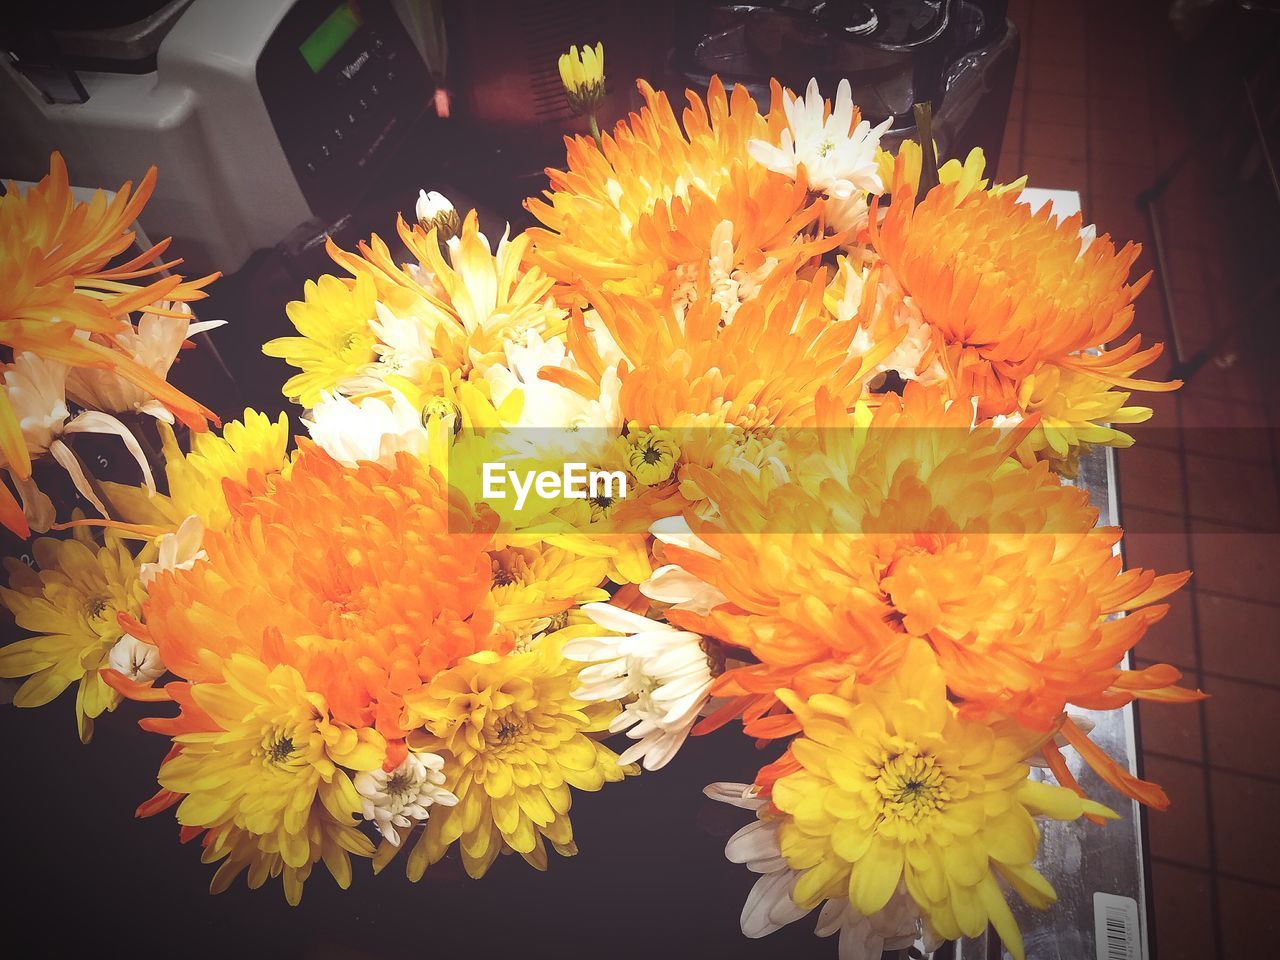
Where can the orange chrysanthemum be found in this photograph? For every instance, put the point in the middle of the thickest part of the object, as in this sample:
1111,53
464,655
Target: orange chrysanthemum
368,581
644,212
1011,295
56,286
763,369
921,527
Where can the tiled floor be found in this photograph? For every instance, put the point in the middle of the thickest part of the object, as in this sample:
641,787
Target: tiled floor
1096,109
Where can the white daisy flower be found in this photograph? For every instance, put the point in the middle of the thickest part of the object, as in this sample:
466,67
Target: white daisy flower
906,357
730,286
555,422
401,797
371,428
839,159
662,672
670,583
404,343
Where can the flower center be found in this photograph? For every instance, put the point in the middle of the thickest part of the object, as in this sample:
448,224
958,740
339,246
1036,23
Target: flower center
912,787
509,729
651,454
281,749
399,786
95,608
826,146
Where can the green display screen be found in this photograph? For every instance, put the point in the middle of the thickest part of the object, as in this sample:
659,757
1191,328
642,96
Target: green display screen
327,39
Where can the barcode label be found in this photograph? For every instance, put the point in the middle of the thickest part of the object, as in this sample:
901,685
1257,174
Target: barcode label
1115,927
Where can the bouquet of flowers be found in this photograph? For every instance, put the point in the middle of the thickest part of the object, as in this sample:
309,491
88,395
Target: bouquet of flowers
799,412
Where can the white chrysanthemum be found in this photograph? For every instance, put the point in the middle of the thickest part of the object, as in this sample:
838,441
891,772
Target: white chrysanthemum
730,286
135,659
769,905
180,550
154,344
848,215
663,674
372,428
676,531
672,584
554,420
402,797
404,343
839,159
905,358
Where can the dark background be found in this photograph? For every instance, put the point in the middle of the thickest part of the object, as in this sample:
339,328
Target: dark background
651,879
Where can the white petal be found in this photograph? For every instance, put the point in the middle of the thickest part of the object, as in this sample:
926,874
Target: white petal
735,794
764,897
758,840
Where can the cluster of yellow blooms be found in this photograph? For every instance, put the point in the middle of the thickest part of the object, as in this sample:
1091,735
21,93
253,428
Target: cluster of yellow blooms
840,409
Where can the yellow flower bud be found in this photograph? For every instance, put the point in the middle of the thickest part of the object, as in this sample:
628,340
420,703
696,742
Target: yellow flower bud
583,77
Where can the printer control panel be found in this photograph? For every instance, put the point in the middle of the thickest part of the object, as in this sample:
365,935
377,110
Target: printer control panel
342,83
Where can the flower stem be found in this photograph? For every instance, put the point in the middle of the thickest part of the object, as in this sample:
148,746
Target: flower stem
595,127
928,157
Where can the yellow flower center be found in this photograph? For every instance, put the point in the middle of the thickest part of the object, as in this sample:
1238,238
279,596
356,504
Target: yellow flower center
912,787
95,608
351,343
826,147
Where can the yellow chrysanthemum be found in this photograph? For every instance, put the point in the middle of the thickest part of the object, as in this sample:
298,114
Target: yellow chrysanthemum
652,454
893,787
514,741
262,767
461,311
70,601
1075,411
248,451
336,341
534,586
